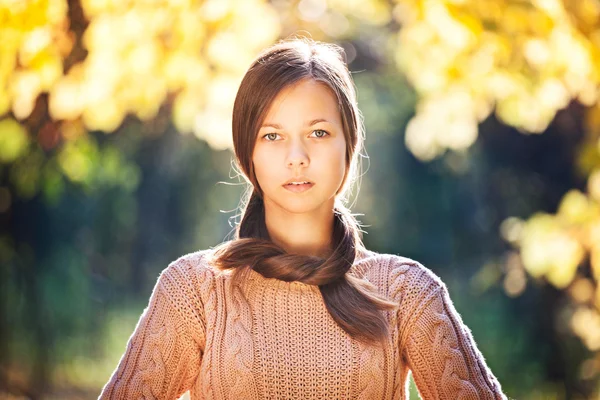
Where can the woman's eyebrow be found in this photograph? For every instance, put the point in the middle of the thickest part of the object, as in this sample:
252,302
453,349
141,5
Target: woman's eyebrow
277,126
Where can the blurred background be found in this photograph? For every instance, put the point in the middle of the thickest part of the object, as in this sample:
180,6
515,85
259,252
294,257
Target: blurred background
483,131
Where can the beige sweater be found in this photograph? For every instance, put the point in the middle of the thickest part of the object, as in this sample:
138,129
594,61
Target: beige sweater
276,340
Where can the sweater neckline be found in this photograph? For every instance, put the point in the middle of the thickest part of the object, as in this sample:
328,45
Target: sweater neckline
359,268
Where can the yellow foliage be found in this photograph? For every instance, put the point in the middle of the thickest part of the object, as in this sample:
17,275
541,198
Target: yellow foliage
555,245
582,290
585,322
375,12
140,52
528,60
549,249
14,140
76,159
34,42
576,209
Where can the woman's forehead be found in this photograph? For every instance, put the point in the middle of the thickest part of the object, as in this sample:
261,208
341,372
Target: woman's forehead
307,102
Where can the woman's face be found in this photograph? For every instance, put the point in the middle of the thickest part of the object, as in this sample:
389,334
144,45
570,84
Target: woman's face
301,139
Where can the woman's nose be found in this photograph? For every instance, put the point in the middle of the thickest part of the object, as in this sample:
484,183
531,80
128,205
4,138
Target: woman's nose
297,156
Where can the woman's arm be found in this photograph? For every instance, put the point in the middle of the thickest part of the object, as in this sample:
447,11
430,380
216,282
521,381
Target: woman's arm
441,352
163,355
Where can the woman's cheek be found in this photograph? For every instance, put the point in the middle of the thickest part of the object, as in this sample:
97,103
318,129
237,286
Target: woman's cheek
266,169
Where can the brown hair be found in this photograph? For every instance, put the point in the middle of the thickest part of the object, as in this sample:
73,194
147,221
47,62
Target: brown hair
352,302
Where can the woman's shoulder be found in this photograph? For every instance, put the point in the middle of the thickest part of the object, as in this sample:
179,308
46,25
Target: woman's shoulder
191,270
404,275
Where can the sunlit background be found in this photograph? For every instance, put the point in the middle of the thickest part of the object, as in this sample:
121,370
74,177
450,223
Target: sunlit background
483,131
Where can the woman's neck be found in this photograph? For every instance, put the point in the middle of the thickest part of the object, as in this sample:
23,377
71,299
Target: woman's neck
306,234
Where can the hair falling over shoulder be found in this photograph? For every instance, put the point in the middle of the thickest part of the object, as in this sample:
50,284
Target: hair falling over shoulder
352,302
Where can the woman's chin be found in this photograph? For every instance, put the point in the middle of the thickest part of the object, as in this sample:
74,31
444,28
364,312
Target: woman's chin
299,206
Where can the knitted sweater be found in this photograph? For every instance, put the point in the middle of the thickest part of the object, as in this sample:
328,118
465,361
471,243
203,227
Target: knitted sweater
273,339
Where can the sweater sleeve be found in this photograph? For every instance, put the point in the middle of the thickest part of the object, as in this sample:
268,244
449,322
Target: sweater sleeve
163,354
440,350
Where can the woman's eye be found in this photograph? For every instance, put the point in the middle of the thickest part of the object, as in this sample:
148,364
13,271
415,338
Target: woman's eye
270,137
320,133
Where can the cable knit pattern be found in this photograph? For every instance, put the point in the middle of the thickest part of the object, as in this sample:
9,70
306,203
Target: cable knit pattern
440,350
241,349
163,354
269,339
208,289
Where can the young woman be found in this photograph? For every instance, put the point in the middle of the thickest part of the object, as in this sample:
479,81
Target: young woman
295,307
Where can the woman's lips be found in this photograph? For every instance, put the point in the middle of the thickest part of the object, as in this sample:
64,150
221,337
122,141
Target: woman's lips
298,188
